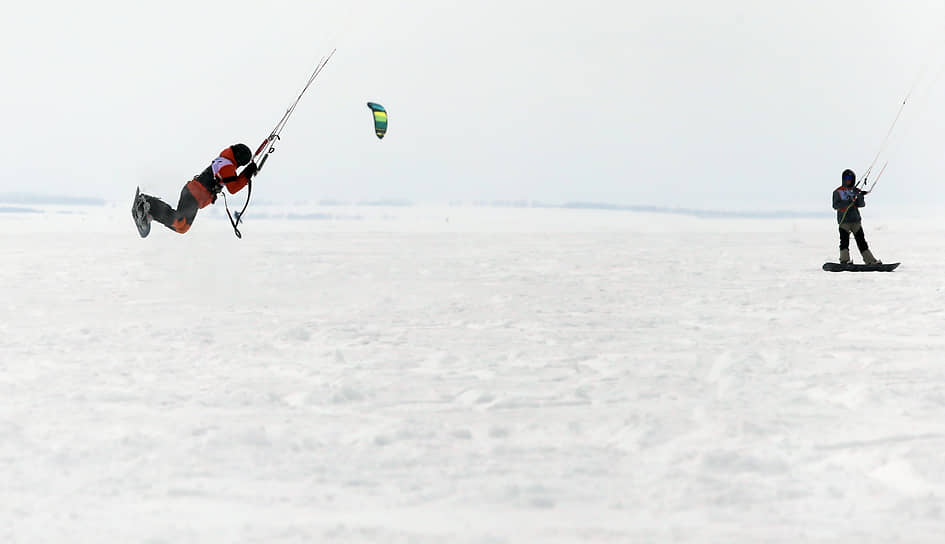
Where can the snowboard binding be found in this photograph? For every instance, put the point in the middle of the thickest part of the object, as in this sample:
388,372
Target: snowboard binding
139,212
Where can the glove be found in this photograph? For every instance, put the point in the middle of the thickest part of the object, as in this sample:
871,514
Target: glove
214,191
250,170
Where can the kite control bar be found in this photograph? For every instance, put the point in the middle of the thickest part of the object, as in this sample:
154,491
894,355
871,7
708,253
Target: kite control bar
268,146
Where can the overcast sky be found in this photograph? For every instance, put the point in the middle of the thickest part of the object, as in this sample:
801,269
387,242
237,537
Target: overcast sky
739,105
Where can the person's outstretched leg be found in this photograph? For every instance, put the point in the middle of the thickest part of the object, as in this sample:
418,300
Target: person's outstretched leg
178,220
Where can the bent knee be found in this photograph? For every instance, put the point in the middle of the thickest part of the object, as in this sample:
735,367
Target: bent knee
181,226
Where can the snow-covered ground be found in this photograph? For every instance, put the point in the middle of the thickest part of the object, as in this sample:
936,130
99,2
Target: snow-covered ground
464,375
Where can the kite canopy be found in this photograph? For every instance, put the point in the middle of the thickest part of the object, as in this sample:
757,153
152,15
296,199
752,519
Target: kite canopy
380,119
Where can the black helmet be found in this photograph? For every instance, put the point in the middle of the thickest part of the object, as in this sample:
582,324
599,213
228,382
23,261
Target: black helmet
848,175
242,154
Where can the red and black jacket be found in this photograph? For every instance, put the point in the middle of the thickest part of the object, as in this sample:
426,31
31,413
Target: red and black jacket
847,200
221,173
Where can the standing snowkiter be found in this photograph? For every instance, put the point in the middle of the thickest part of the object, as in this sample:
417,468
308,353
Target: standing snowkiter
847,200
198,193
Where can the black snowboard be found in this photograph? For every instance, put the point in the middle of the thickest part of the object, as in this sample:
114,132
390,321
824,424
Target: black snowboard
837,267
139,212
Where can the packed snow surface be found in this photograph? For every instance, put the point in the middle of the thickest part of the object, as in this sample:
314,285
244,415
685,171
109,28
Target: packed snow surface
466,375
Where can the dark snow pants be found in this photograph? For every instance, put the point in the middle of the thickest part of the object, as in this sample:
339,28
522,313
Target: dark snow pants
178,220
857,230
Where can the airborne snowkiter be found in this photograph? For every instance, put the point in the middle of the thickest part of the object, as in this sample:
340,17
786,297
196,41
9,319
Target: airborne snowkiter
198,193
202,191
847,200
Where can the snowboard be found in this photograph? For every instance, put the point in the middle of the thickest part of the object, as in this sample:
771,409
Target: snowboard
139,212
837,267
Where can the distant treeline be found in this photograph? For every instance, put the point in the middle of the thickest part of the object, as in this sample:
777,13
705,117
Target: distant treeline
776,214
386,202
49,200
12,209
31,199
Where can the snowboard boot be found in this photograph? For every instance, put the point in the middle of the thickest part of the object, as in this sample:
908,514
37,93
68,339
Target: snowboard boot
143,207
845,256
868,257
140,213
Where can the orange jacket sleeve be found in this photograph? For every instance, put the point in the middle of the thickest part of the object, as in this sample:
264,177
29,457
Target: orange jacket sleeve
231,180
235,186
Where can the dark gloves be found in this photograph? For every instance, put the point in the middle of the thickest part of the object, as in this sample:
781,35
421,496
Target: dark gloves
250,170
214,191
